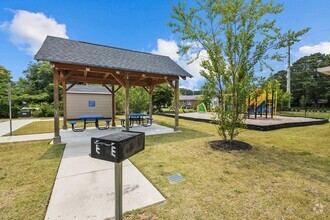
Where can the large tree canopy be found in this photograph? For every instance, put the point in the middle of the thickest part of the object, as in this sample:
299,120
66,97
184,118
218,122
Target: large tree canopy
306,83
37,86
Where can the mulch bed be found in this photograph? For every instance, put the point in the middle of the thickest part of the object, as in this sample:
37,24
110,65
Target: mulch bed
230,145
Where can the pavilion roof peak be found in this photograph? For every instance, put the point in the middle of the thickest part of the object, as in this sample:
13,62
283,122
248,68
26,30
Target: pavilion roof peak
61,50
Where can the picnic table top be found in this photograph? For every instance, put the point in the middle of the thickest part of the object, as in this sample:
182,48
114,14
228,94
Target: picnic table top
91,116
138,114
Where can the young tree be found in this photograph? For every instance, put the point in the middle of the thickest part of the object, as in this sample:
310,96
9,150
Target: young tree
237,36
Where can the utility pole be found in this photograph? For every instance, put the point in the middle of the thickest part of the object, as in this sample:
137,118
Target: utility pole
288,74
287,40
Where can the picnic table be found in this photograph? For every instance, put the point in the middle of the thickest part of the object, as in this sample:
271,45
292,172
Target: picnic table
138,117
91,119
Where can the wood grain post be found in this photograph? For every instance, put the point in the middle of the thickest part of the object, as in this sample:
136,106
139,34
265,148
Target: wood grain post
127,102
65,123
151,92
113,101
176,100
57,137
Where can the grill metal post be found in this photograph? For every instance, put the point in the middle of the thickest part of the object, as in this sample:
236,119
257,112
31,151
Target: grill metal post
119,191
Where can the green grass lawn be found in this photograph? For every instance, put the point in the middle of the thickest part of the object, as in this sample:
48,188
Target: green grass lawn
286,176
308,114
40,127
27,175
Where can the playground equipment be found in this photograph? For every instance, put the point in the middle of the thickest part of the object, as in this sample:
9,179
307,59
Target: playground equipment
263,102
201,108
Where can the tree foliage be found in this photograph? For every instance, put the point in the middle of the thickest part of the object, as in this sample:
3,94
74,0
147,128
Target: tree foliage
306,81
138,100
163,95
208,94
237,36
5,79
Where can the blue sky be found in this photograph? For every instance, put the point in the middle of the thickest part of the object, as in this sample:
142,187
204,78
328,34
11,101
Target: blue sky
136,25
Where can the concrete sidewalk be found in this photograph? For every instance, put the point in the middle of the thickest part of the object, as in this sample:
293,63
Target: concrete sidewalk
84,187
5,125
29,137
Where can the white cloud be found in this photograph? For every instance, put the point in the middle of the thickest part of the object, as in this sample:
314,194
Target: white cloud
170,48
28,30
322,47
167,48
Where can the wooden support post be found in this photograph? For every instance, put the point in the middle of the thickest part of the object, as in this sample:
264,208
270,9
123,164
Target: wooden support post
113,106
272,112
248,108
176,91
57,137
266,103
255,107
127,102
151,92
65,124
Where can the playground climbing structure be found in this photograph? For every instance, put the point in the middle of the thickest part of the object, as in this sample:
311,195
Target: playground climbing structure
263,102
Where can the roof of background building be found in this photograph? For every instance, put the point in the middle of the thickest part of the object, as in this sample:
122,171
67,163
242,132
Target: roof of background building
88,89
60,50
190,97
325,70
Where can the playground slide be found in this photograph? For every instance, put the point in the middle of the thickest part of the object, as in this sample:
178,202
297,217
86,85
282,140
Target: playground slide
260,99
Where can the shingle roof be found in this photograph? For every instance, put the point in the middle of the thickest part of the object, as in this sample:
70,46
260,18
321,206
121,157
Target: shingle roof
190,97
88,89
66,51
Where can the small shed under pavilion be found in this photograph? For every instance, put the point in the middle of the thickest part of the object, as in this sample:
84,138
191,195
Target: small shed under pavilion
77,61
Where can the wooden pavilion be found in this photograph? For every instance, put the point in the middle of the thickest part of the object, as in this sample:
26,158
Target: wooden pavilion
76,61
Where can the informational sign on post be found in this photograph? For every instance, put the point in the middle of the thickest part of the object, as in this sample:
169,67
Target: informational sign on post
9,103
117,148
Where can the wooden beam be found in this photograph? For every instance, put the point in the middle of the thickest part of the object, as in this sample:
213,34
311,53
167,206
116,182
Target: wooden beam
91,80
106,75
176,98
108,88
65,124
137,80
121,82
151,91
145,88
170,83
109,70
113,106
72,85
117,88
57,137
127,122
66,76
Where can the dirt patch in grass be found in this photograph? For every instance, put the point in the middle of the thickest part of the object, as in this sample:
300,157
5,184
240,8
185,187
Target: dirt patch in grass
226,145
